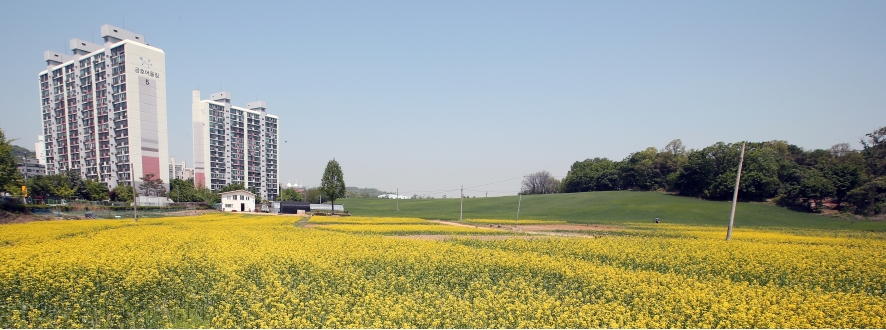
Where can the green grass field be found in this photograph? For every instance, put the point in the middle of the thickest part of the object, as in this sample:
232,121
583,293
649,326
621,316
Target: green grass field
606,207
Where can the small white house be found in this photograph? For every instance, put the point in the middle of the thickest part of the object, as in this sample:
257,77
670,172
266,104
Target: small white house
238,201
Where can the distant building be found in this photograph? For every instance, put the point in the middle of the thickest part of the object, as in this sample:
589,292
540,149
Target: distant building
179,171
297,187
238,201
31,167
394,196
234,144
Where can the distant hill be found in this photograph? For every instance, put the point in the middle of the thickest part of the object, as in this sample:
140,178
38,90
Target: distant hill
354,192
21,152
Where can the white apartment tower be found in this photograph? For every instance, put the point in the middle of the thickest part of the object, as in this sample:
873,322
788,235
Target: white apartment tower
179,170
104,109
234,144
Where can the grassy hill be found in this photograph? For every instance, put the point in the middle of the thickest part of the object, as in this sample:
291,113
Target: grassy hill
606,207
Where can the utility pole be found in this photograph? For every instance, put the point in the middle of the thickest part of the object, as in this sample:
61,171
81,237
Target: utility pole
519,201
398,199
461,209
25,191
134,198
735,194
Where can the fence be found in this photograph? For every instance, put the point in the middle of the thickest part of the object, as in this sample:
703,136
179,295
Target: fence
69,213
100,210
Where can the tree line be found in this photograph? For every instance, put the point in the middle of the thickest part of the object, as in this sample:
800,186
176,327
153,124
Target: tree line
846,179
70,185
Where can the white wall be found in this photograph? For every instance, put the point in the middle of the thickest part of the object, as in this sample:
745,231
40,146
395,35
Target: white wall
232,201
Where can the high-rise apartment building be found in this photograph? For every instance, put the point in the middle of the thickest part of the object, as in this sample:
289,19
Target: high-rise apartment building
234,144
104,109
180,170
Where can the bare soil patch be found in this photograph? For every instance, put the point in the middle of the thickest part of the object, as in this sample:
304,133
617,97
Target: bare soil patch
450,223
9,217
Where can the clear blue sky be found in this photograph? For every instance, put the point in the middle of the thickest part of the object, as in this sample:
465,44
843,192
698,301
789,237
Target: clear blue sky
429,95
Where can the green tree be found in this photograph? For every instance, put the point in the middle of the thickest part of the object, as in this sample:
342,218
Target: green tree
76,182
10,178
231,187
639,171
122,193
598,174
290,195
333,183
97,191
708,172
668,163
816,188
183,191
40,185
152,185
874,152
869,198
845,178
206,195
313,195
759,178
64,190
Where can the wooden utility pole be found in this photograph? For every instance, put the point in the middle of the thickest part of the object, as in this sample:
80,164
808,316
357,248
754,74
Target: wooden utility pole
398,199
461,208
735,194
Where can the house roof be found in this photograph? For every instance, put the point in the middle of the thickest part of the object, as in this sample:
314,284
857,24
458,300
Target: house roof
241,191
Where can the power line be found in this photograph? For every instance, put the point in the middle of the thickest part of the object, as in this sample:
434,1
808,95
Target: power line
486,184
457,189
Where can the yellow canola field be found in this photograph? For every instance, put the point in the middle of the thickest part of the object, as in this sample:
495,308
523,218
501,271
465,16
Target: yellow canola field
241,271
